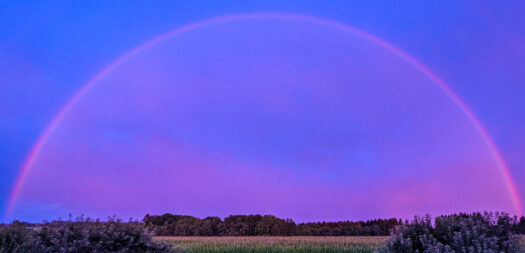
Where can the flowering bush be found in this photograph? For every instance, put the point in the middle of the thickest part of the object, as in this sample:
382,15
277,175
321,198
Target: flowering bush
487,232
79,236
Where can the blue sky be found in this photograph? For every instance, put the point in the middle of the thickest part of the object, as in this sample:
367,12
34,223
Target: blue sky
48,50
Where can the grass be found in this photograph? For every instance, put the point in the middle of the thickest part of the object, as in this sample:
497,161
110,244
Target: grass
259,244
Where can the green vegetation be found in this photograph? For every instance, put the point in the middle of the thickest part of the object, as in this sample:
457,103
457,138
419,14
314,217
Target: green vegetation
522,244
293,244
458,233
296,244
82,235
476,232
267,225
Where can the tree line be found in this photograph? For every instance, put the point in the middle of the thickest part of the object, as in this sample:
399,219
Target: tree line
269,225
262,225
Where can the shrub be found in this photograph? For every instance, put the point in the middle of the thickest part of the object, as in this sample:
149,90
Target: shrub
79,236
487,232
13,236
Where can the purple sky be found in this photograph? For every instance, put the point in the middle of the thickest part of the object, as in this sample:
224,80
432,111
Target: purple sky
265,115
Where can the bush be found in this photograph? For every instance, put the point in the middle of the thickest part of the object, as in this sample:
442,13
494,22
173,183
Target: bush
13,236
487,232
80,236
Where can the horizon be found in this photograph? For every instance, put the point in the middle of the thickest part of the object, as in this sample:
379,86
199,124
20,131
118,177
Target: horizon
74,218
301,110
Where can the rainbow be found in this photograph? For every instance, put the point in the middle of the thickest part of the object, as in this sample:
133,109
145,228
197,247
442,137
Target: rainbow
35,150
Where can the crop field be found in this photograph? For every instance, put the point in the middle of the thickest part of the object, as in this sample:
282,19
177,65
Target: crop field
293,244
522,244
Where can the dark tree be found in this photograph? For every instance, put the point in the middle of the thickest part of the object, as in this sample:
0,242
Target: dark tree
267,225
521,225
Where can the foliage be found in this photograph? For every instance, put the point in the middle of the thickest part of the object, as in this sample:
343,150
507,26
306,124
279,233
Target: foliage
267,225
476,232
82,235
520,228
487,232
13,236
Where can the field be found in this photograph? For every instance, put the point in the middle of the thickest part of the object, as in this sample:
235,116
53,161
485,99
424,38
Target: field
293,244
523,243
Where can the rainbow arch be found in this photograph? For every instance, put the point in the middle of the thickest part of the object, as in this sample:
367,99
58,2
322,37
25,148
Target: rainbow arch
37,147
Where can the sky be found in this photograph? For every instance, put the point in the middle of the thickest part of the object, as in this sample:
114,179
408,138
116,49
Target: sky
298,114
